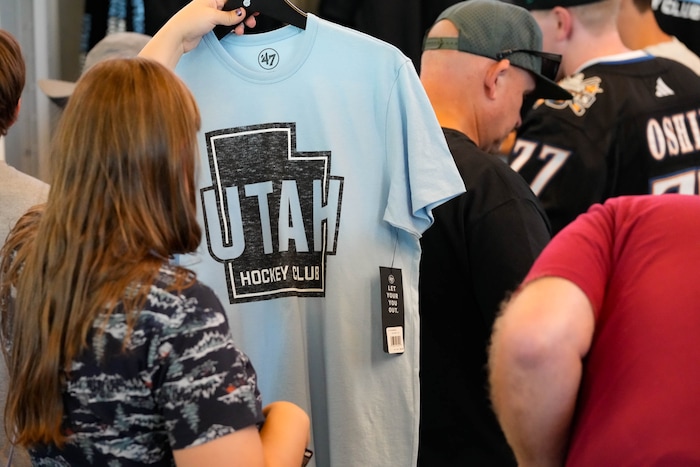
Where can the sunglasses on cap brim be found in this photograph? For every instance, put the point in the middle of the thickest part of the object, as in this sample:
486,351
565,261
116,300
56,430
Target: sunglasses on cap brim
550,62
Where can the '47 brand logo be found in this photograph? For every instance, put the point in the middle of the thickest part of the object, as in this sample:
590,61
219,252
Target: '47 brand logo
271,214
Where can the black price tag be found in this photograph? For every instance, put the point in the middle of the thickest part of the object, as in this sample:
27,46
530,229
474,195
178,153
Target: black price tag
392,310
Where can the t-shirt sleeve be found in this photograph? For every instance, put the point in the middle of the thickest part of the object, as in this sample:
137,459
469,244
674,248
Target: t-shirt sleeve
422,170
504,244
581,253
208,387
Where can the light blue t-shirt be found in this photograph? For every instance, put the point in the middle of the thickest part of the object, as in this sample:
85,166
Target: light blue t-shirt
321,161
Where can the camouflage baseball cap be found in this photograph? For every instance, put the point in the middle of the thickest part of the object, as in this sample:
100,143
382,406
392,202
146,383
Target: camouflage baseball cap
500,30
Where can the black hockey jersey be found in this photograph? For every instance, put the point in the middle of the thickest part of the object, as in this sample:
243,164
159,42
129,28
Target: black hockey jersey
633,127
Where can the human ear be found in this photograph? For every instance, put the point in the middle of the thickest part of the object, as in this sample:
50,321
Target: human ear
564,22
494,76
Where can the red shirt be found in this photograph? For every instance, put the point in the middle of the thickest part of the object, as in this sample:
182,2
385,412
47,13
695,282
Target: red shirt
638,261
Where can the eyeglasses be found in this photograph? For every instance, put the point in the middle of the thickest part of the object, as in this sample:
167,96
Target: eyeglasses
550,62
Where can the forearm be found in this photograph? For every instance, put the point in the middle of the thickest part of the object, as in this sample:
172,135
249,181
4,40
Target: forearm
185,29
165,47
535,367
285,434
534,399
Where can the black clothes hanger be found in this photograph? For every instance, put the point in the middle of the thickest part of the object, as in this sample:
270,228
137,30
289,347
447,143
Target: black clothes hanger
283,11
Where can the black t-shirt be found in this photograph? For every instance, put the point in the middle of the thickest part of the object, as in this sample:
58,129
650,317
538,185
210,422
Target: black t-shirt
158,12
479,248
402,23
633,127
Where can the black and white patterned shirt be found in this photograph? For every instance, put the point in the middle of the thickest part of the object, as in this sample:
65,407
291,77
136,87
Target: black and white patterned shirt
180,382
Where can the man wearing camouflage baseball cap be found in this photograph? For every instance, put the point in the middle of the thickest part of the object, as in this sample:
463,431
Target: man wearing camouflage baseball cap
481,59
496,30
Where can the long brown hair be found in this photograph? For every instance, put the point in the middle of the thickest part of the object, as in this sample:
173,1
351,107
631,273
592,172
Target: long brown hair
12,75
122,200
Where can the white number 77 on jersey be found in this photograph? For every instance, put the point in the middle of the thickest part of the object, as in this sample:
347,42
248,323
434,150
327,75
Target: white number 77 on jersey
553,158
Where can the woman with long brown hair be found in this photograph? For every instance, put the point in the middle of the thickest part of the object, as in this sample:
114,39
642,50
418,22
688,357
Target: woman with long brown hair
114,353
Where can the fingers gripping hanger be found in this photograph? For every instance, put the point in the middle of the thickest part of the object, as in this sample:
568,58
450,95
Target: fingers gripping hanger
281,10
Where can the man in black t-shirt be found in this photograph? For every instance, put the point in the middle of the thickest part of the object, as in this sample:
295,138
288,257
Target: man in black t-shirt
480,59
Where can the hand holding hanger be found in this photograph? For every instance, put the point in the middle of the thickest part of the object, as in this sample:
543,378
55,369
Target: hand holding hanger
281,10
185,29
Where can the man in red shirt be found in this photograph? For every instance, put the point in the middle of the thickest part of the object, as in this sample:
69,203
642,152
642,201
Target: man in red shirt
594,361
